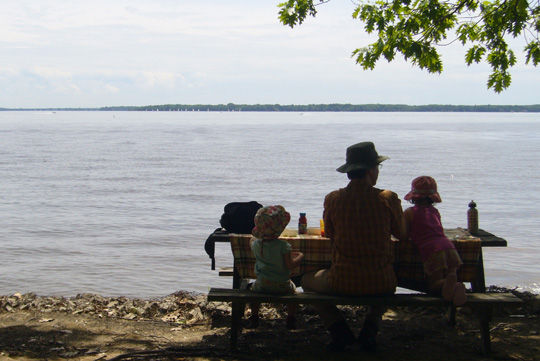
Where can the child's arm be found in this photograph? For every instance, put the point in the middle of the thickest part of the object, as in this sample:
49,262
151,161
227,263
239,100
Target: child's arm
292,259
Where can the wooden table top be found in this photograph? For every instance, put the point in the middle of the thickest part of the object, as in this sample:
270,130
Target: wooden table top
488,239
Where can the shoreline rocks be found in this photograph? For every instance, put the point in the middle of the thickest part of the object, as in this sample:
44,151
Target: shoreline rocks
181,307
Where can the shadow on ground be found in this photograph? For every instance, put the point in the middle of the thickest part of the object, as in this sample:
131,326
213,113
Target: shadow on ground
406,334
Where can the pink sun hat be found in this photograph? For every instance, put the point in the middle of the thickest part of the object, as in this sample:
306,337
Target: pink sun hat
424,186
270,222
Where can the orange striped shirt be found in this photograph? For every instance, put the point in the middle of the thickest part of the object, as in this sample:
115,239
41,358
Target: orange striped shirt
360,220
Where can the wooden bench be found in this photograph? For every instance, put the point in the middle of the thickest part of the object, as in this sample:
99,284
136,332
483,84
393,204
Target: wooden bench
481,303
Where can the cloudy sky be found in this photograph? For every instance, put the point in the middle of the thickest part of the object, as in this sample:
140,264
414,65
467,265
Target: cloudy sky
82,53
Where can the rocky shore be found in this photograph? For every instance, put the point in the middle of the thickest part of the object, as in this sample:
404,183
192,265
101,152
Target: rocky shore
187,308
184,326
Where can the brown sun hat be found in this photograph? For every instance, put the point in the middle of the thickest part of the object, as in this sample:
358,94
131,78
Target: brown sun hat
422,187
361,156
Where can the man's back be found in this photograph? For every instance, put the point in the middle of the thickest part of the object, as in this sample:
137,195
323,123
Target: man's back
360,220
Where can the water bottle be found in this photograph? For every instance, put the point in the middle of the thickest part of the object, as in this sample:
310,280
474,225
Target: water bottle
472,219
302,224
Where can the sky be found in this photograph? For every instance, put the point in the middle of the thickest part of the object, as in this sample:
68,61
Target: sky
80,54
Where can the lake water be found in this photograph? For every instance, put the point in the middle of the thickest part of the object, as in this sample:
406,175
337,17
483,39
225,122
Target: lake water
120,203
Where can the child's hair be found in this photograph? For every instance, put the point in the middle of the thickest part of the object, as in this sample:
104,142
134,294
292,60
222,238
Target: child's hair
426,201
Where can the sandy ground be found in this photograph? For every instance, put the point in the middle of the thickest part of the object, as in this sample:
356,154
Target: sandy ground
185,327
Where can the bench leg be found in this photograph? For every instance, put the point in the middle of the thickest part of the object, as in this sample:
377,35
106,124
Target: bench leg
237,312
451,318
485,313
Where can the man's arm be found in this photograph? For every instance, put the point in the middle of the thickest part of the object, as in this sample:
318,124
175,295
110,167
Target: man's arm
328,224
398,228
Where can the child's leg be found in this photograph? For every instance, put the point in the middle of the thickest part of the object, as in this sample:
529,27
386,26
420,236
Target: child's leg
454,262
453,290
436,282
291,309
435,269
255,309
291,319
449,288
459,295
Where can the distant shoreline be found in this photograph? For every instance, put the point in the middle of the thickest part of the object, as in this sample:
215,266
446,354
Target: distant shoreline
230,107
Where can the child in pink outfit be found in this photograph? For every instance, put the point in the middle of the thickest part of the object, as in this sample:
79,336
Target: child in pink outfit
439,255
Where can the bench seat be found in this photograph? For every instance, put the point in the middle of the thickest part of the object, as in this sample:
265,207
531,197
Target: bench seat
481,303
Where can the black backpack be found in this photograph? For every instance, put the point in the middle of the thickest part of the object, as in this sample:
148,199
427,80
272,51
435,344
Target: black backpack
237,218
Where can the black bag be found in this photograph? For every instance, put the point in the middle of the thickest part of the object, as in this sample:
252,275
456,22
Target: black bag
238,217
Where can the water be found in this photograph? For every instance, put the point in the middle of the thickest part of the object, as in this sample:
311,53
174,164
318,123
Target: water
120,203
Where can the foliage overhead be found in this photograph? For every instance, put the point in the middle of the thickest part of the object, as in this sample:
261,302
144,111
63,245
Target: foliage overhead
416,28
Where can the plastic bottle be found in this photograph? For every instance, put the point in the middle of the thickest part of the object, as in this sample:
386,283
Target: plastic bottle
302,224
472,219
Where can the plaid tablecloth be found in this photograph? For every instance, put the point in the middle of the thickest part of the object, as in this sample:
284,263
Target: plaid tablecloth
408,263
317,255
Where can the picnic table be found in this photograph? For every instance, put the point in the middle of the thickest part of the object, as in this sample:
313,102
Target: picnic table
407,265
407,261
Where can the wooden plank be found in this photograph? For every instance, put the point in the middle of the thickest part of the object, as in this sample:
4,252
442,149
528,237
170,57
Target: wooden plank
220,236
488,239
491,240
494,298
405,299
226,272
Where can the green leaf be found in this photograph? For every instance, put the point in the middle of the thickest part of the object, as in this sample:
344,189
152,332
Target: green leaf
533,53
499,80
475,54
417,29
294,12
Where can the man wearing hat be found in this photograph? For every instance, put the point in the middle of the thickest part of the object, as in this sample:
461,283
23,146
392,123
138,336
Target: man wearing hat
360,220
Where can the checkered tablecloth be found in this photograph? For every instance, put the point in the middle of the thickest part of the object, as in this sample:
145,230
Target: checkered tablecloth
408,263
317,255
